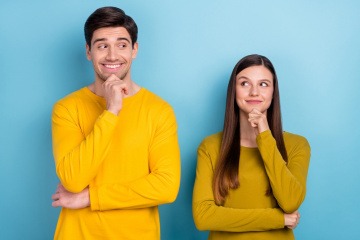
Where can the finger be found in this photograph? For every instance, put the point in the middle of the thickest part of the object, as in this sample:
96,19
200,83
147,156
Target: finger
112,77
255,114
116,85
55,196
55,204
111,83
255,110
125,90
253,123
253,118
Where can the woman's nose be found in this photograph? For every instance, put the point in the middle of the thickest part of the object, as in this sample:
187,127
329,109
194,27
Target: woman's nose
254,91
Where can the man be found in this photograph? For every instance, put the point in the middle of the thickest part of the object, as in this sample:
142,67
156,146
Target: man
115,143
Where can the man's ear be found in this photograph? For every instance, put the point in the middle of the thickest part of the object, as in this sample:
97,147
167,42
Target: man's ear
135,50
88,55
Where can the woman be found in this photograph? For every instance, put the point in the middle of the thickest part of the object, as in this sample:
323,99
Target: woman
251,177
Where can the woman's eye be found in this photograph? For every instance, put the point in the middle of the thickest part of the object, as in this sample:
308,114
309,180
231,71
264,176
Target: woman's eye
264,84
244,83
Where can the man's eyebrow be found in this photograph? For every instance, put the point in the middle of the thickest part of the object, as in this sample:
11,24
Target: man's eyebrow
104,39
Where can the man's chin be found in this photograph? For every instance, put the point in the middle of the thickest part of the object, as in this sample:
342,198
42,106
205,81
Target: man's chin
104,77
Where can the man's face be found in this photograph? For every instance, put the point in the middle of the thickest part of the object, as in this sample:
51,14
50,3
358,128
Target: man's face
111,52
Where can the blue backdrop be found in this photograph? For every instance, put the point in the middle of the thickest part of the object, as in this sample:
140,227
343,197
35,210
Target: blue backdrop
187,50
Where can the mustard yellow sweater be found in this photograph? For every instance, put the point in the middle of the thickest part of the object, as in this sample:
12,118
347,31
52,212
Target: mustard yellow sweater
130,162
248,212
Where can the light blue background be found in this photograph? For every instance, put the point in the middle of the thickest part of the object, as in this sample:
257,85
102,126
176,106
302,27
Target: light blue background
187,51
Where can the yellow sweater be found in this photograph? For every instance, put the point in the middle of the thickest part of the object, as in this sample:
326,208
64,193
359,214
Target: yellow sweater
130,162
248,212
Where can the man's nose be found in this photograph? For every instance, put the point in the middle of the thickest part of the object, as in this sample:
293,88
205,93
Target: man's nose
111,54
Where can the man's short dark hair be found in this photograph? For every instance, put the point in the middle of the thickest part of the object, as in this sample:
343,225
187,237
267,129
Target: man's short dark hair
109,17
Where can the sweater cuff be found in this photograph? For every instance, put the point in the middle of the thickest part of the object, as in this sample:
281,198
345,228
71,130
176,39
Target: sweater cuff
94,199
264,135
109,117
278,218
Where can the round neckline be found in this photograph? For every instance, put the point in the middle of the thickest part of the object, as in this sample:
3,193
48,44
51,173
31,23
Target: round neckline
102,99
248,148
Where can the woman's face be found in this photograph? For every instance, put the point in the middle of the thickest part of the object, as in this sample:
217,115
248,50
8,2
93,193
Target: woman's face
254,89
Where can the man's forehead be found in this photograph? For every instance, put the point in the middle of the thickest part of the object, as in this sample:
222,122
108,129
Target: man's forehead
111,34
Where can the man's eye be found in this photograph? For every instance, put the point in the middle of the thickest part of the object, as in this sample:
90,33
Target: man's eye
122,45
102,46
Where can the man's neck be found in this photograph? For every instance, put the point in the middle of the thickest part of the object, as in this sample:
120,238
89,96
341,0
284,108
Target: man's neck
97,88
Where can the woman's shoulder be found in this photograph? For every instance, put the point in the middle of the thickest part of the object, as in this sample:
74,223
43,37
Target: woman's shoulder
210,147
213,138
288,136
293,140
212,141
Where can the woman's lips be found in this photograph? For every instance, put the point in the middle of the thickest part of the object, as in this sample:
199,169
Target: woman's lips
254,101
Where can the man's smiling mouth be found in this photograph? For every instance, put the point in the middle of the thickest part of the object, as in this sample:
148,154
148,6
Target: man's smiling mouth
112,66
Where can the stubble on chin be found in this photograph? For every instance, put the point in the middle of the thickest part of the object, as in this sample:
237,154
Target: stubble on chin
104,78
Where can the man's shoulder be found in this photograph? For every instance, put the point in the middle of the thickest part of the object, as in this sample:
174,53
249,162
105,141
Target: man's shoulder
149,94
72,97
154,100
71,101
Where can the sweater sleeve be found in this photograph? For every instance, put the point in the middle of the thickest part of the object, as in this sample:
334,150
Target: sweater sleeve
160,186
209,216
287,180
76,161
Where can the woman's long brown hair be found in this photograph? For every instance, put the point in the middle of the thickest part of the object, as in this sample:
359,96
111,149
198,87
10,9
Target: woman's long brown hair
227,167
